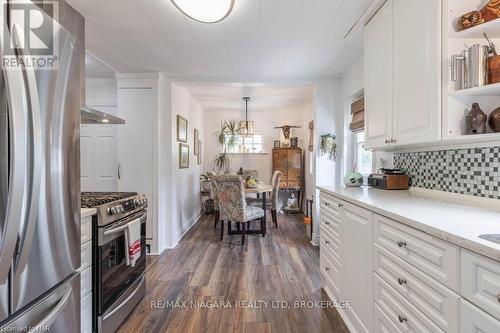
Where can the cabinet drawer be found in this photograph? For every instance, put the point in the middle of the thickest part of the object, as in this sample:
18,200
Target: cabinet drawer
330,271
86,314
85,281
399,310
332,224
433,256
330,242
480,282
433,299
86,260
330,204
86,229
382,323
474,320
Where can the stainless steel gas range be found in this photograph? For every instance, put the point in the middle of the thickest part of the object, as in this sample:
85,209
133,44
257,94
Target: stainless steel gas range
118,287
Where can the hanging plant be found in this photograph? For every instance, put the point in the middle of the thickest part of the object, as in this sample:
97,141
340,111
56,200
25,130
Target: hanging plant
227,133
328,146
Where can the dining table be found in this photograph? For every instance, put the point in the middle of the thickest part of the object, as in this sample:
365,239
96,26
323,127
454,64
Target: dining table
262,190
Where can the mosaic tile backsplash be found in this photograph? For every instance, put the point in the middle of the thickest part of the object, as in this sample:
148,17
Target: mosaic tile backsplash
472,171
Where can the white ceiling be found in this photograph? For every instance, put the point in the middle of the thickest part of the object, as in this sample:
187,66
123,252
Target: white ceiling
96,69
261,40
222,97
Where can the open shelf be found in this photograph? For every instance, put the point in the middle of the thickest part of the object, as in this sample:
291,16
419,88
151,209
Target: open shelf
489,90
492,28
472,138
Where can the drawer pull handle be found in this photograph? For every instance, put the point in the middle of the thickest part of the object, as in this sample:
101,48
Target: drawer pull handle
327,269
402,281
498,298
402,244
327,204
402,319
327,242
341,205
327,223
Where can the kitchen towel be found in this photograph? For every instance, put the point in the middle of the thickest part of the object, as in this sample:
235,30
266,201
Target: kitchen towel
133,242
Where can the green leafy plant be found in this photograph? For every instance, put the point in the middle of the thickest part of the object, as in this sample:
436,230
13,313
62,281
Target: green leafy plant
227,133
222,163
328,146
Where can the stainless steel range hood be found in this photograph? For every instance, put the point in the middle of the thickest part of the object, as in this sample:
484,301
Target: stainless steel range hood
95,117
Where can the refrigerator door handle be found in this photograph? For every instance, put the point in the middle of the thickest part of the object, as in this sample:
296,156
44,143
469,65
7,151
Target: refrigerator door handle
18,169
49,319
35,167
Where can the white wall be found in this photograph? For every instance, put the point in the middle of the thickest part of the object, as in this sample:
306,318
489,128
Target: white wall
329,118
265,121
352,86
185,183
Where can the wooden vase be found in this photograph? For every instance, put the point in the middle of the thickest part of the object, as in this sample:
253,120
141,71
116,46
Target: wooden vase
491,11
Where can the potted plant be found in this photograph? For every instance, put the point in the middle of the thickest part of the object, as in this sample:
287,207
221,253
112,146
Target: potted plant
206,184
227,133
328,146
222,163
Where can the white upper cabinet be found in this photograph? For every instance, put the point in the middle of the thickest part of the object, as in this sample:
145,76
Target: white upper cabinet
403,74
378,78
417,71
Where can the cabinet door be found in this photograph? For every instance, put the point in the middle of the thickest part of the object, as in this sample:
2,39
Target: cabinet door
280,162
98,156
294,168
378,78
475,320
417,71
357,278
135,143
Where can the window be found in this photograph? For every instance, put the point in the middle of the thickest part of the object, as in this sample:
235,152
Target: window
365,157
247,144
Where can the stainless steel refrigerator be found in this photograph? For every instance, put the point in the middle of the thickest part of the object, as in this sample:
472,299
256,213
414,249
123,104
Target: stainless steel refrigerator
39,187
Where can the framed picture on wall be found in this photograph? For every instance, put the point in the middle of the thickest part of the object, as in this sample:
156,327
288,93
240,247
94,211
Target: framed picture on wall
200,152
183,156
196,149
182,129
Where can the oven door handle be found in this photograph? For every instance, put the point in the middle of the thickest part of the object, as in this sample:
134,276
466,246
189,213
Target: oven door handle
115,310
122,228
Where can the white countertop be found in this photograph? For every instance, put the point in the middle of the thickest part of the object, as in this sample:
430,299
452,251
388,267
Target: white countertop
456,223
88,212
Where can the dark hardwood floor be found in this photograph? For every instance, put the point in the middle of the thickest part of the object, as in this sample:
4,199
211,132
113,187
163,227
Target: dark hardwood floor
283,266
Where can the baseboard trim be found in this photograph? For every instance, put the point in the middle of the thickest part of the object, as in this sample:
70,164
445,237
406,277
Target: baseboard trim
189,224
315,240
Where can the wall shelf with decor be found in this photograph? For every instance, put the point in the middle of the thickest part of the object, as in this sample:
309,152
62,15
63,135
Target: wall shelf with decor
492,28
488,90
457,102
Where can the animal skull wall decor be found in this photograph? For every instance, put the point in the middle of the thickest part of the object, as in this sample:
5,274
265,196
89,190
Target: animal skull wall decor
286,130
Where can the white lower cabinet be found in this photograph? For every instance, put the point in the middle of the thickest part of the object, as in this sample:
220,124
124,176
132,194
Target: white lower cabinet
347,267
474,320
86,275
401,279
86,314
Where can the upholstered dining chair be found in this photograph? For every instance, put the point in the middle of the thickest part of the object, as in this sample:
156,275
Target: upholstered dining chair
272,202
233,206
252,174
215,196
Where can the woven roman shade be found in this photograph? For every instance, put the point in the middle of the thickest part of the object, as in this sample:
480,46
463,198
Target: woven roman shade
358,115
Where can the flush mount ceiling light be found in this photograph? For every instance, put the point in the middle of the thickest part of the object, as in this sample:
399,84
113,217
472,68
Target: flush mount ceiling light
205,11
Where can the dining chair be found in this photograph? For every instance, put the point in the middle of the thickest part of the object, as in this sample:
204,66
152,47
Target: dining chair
233,205
215,196
272,202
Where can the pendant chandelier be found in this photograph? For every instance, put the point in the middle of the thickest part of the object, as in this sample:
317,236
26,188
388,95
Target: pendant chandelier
246,127
205,11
